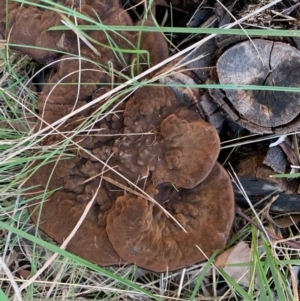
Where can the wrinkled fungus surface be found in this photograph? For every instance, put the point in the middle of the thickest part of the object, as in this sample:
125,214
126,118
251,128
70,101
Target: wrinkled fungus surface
266,63
175,151
139,230
28,28
176,165
151,140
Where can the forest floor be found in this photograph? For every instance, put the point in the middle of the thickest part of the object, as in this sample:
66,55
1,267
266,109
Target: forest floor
259,148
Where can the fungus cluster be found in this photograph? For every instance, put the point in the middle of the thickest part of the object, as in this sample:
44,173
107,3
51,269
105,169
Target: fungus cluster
172,156
153,141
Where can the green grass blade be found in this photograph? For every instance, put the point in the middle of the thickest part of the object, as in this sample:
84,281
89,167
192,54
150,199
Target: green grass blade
223,31
202,275
237,288
2,296
278,278
286,175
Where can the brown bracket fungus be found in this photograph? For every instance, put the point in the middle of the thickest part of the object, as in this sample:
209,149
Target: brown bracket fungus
61,95
59,213
261,62
152,42
141,233
28,28
176,166
153,141
174,154
187,144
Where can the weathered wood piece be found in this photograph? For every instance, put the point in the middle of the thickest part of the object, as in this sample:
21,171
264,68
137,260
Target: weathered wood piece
276,159
255,179
266,63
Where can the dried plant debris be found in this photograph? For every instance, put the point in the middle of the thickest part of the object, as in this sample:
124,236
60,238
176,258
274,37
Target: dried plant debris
261,62
240,256
254,177
176,166
264,19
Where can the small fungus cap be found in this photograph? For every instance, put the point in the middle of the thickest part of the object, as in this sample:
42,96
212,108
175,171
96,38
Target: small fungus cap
186,145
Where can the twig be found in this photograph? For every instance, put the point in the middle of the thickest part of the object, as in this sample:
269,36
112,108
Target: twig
290,243
10,278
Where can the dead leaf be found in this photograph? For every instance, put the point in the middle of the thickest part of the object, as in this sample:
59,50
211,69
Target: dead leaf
237,255
24,274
